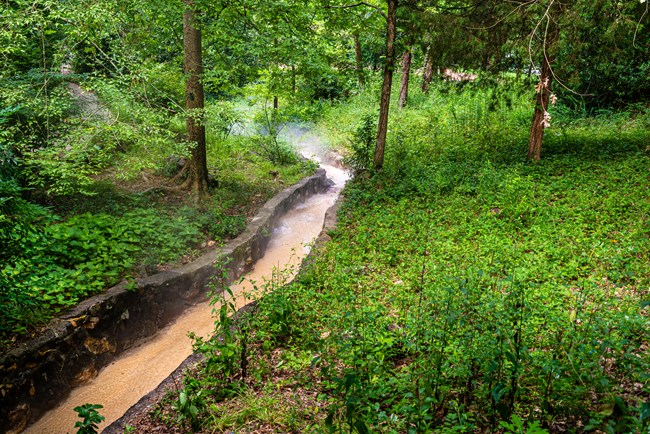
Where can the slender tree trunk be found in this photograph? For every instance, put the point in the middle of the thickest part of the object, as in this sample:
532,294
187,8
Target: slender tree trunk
540,121
485,59
428,70
275,54
358,56
386,86
197,180
407,57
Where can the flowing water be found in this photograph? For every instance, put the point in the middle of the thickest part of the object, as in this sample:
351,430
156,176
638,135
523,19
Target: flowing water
139,370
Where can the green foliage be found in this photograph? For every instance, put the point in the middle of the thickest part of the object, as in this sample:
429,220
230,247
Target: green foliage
518,426
61,263
222,118
269,123
232,357
460,291
19,220
216,221
58,144
275,150
467,291
612,69
188,406
362,144
476,273
138,132
91,418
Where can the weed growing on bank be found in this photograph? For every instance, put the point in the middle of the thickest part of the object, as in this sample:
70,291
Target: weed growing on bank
465,290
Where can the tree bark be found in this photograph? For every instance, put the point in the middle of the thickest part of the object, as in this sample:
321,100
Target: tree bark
407,57
358,56
197,179
428,70
384,104
276,103
539,122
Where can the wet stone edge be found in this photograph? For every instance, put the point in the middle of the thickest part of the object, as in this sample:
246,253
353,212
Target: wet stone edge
40,373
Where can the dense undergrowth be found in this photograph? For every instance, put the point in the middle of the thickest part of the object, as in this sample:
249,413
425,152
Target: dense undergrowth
464,290
85,192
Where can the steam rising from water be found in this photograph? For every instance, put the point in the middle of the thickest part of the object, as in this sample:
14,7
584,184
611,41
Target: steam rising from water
311,146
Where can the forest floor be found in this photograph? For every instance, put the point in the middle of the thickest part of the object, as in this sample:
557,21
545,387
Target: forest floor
464,289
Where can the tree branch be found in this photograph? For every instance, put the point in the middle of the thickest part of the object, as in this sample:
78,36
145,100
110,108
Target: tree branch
377,8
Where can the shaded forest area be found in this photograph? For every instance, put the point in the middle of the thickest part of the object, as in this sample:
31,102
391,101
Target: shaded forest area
490,271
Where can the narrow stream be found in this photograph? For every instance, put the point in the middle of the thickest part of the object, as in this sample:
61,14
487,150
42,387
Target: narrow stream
139,370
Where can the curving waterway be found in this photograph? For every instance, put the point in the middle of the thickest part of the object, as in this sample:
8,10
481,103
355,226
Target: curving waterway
141,369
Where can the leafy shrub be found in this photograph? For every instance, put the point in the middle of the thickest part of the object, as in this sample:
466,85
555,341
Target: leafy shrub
362,144
90,418
63,263
269,124
222,118
19,220
275,150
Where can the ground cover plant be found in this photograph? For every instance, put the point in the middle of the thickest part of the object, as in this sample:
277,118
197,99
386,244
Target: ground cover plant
97,204
464,290
102,113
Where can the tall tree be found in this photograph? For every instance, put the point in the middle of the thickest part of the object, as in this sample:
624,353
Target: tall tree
427,76
389,64
542,100
358,57
549,32
197,179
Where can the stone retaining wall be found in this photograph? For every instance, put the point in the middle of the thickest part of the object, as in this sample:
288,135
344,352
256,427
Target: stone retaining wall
37,375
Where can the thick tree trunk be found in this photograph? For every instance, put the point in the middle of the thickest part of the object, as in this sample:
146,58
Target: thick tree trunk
386,86
407,57
428,70
540,121
358,57
194,102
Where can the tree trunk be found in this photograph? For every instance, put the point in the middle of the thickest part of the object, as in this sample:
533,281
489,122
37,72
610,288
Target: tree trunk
540,121
406,74
276,103
428,70
386,86
358,56
197,179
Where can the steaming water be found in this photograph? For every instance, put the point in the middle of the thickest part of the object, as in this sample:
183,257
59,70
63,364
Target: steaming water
139,370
